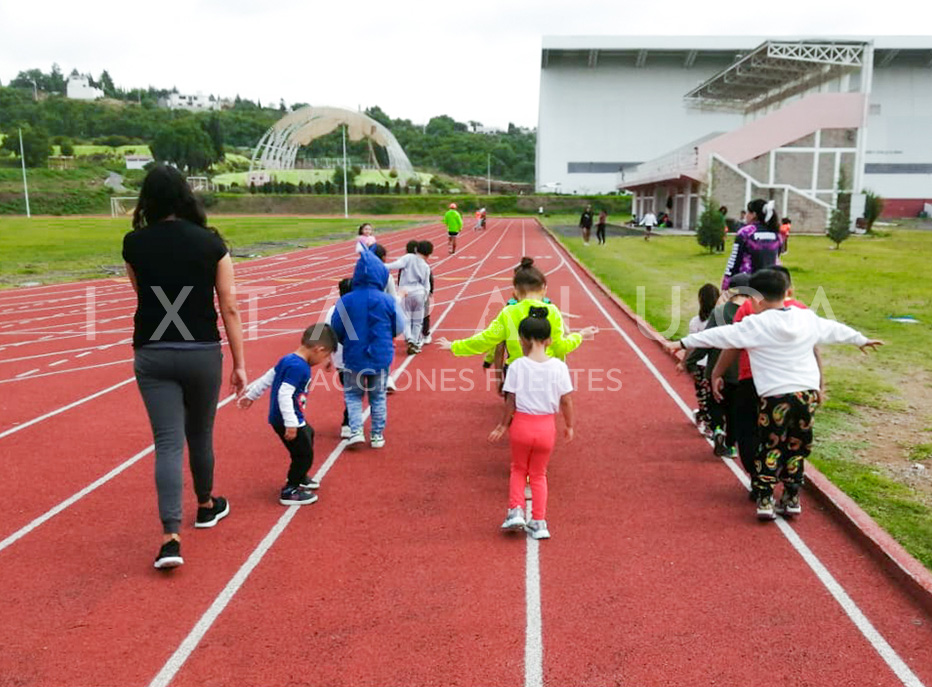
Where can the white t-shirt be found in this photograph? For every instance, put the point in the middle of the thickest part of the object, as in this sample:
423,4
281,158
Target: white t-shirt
538,386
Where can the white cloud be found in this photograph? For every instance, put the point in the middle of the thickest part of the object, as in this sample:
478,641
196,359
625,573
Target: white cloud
477,60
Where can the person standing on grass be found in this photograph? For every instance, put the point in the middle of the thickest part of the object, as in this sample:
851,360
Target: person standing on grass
365,321
585,224
600,227
536,389
289,381
757,244
648,221
454,221
781,345
176,263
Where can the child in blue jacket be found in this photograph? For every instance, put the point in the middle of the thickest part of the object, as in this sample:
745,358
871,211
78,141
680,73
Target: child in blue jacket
365,322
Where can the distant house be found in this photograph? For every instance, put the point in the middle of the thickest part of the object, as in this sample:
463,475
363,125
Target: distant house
193,103
137,161
79,88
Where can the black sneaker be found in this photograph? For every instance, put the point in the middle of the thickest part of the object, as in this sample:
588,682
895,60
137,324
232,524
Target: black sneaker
208,517
308,484
169,555
719,447
296,496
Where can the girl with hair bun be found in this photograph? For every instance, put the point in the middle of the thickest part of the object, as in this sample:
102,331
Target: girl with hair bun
757,245
536,388
530,286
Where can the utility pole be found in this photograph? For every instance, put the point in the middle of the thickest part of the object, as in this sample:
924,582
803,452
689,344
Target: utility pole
35,90
22,157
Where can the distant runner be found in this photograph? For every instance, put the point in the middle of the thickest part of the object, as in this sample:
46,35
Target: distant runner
454,222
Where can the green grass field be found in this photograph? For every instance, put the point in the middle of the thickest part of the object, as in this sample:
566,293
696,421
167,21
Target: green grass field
57,249
875,421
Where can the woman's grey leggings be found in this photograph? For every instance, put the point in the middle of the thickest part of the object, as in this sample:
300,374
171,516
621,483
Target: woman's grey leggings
180,388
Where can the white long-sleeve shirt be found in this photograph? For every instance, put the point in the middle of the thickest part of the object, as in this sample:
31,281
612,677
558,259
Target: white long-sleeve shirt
780,344
285,397
415,272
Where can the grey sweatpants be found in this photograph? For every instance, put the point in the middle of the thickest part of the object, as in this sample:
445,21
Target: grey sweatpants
180,388
414,307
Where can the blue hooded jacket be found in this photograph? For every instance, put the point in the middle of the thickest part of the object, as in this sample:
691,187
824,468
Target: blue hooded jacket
367,319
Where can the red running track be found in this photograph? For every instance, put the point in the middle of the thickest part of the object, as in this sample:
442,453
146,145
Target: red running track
657,573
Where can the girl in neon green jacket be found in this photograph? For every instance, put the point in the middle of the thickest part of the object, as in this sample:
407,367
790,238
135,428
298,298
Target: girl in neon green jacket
530,286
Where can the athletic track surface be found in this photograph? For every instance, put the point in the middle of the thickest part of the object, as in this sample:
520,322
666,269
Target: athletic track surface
657,572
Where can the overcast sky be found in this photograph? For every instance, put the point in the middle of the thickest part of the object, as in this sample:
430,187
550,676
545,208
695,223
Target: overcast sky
474,60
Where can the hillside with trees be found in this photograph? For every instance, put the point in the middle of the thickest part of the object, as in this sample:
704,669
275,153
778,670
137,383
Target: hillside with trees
35,100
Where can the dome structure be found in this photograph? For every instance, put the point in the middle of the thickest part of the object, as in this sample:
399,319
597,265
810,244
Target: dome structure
278,147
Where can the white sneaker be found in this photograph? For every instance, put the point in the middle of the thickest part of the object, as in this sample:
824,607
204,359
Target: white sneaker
390,387
356,439
376,441
537,529
426,340
514,520
345,432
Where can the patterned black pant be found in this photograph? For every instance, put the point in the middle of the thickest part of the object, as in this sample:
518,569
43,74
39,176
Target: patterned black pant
703,397
785,432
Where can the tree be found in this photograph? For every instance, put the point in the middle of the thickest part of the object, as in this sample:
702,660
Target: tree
37,145
839,224
67,147
873,207
710,232
106,84
214,129
184,144
337,178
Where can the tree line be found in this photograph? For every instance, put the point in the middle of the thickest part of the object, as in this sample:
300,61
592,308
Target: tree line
35,101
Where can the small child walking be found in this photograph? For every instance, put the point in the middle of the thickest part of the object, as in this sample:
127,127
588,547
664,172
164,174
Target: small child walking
780,342
708,297
289,381
536,388
414,284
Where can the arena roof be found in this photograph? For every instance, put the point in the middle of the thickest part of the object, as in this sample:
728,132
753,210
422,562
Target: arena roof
776,70
591,50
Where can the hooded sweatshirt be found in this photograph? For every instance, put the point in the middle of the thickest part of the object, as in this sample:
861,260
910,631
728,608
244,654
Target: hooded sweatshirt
367,319
780,344
755,247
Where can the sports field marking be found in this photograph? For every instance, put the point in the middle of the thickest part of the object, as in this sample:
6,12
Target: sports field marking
190,643
851,609
533,633
21,378
25,374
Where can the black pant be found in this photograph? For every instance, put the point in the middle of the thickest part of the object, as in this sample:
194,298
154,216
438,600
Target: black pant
747,406
724,414
785,430
600,233
344,375
301,450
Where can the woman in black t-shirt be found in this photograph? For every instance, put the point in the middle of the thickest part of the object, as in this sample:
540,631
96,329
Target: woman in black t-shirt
176,263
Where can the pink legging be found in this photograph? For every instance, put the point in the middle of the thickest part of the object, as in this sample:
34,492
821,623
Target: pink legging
532,439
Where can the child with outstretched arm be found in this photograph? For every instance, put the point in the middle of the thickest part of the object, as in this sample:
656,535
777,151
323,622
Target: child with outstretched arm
289,381
780,342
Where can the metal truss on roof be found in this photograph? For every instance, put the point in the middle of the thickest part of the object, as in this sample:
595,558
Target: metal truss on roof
777,70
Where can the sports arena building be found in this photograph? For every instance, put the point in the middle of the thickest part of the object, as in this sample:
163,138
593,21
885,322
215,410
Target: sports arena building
672,118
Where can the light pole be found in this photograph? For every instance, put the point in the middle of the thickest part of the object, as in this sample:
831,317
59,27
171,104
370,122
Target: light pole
35,90
345,189
488,178
22,157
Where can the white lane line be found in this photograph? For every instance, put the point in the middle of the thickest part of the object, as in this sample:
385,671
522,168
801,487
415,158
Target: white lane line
851,609
64,408
81,355
203,625
71,500
25,374
62,372
58,362
533,635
